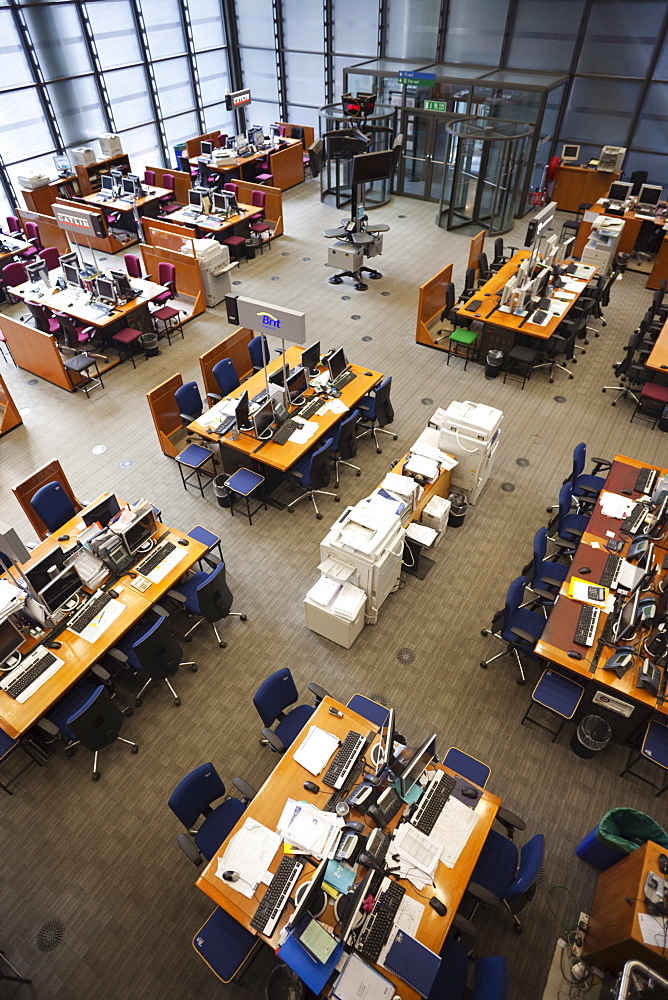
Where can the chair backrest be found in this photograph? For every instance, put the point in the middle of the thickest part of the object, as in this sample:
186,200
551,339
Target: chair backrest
274,695
258,198
319,472
166,273
372,710
483,266
638,178
226,376
384,408
38,314
188,399
514,597
183,163
449,297
98,722
347,437
132,265
498,249
157,651
531,861
565,501
32,232
51,257
14,273
579,459
258,348
469,767
221,140
490,978
469,283
195,793
214,596
149,177
52,504
539,551
13,225
168,182
230,186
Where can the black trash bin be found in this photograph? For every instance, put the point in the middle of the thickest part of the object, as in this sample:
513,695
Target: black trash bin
250,248
458,508
621,262
590,737
149,341
493,364
221,492
284,984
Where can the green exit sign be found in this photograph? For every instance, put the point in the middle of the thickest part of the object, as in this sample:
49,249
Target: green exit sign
435,106
416,81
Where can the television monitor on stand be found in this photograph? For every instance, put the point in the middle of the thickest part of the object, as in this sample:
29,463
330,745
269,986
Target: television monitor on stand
46,569
384,750
650,195
128,187
337,364
414,771
60,590
263,418
195,199
619,191
102,512
570,153
311,899
297,385
311,357
206,148
241,412
11,641
107,184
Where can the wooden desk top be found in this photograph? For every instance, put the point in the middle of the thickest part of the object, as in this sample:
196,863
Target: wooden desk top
73,301
212,224
490,294
658,359
13,245
628,216
285,781
79,655
283,456
125,204
232,162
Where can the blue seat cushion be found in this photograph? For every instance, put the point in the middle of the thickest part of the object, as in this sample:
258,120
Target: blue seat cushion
491,978
557,693
526,620
588,484
189,590
376,714
71,703
217,825
496,865
223,944
549,571
7,744
450,981
289,727
204,536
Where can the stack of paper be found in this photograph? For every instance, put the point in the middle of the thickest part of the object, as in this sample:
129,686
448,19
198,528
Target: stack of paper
421,533
305,432
417,465
614,505
308,829
314,751
453,829
418,855
404,487
324,591
12,599
249,853
348,603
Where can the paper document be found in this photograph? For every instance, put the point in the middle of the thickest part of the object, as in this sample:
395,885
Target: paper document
348,602
453,829
334,406
417,848
250,852
324,591
314,751
101,622
421,533
407,919
614,505
309,829
653,930
305,432
358,981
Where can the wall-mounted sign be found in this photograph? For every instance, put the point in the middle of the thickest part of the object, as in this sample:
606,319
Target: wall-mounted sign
266,318
237,99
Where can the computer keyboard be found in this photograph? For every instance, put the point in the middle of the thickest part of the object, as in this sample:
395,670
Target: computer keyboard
343,379
277,895
287,428
155,558
380,921
636,518
260,398
225,425
346,757
92,608
308,409
432,802
645,481
585,630
611,571
31,670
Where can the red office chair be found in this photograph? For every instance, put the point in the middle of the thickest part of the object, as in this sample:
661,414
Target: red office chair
168,203
14,226
222,139
132,265
14,274
230,186
44,321
76,336
32,232
14,229
149,178
258,226
166,277
51,257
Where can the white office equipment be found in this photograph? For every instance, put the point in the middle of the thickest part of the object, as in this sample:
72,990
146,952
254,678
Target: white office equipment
470,432
33,180
214,267
315,750
110,145
601,247
435,514
611,158
82,155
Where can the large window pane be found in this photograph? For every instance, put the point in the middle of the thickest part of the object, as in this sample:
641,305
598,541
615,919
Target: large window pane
600,111
475,31
142,146
412,28
174,86
304,116
655,165
213,77
356,27
163,27
181,128
78,110
207,24
24,136
40,164
545,34
263,112
114,30
15,69
129,97
306,78
662,65
652,131
621,36
259,73
255,24
56,35
303,26
218,117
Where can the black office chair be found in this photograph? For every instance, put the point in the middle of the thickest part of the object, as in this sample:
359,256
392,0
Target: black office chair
313,472
207,596
638,178
571,226
344,445
500,257
484,272
153,650
377,410
469,285
560,347
449,312
95,722
632,374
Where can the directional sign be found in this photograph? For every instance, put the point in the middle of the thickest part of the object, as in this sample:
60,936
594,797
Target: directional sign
435,106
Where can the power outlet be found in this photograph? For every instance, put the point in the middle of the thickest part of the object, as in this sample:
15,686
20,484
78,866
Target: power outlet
577,941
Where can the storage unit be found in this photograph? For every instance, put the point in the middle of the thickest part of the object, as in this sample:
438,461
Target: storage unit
470,432
326,623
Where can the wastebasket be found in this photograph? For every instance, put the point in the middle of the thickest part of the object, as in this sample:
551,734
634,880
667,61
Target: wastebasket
591,735
149,341
621,262
619,833
458,508
493,363
179,150
284,984
249,249
663,419
221,492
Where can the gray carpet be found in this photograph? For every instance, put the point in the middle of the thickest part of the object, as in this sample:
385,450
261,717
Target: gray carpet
97,865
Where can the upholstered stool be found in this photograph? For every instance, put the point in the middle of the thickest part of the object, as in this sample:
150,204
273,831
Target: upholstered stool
244,483
463,344
124,341
170,320
236,245
206,537
265,179
82,364
195,458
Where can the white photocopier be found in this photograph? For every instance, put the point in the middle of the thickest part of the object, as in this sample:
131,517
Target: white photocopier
215,267
470,432
364,547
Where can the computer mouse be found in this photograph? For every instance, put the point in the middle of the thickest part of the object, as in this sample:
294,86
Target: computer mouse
355,826
371,373
584,570
440,907
626,493
335,392
53,645
183,541
63,538
112,593
574,655
131,573
311,786
470,793
663,864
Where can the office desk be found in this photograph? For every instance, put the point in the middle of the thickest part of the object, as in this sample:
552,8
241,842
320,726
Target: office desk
286,781
658,359
10,246
78,654
632,224
212,224
285,165
614,934
576,185
154,194
282,456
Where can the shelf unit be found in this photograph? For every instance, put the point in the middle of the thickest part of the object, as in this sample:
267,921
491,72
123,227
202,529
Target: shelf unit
41,199
89,177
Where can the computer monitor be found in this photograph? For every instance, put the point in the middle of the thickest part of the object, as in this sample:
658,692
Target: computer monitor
105,289
206,147
523,299
352,907
117,176
311,898
650,194
219,202
274,130
62,164
263,418
70,273
241,412
102,512
107,183
10,640
46,569
38,271
128,186
540,282
570,153
619,190
386,744
508,289
414,771
660,516
628,617
369,167
311,356
336,364
240,141
195,198
297,384
139,531
122,283
230,198
60,590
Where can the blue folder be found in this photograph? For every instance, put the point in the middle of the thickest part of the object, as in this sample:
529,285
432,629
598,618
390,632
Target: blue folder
315,974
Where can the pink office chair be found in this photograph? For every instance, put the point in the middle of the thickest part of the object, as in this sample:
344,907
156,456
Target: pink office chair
168,203
166,277
222,139
14,226
132,265
14,229
257,200
51,257
32,232
258,226
44,321
230,186
14,273
149,178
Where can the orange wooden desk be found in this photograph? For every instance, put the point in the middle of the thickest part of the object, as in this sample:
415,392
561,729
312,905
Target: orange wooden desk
73,301
658,359
79,655
286,781
213,224
282,456
614,934
127,204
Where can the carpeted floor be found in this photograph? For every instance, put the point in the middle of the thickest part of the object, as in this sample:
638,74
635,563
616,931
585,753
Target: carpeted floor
98,899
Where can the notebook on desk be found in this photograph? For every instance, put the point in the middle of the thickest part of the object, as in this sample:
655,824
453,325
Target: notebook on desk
414,963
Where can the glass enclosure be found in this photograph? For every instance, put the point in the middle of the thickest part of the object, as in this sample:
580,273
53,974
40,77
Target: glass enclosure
380,127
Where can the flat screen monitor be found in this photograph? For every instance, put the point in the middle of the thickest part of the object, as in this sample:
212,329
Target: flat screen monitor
48,567
10,639
195,199
353,906
274,130
117,175
241,412
336,364
60,589
660,515
311,356
373,166
628,617
620,190
206,147
387,743
263,418
650,194
102,512
226,201
240,141
423,756
143,528
71,274
128,186
122,284
107,183
570,153
105,289
69,258
310,895
219,202
62,164
38,271
297,384
316,157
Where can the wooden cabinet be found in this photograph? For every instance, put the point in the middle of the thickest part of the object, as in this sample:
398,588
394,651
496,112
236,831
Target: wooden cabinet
89,177
575,185
41,199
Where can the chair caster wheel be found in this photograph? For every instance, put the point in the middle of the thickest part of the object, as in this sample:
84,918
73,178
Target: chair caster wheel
243,618
337,499
318,517
361,287
222,645
615,403
485,632
379,451
551,381
396,437
138,702
69,752
335,280
520,681
518,930
291,510
177,701
571,376
96,775
357,474
135,749
483,665
602,390
129,712
193,669
187,638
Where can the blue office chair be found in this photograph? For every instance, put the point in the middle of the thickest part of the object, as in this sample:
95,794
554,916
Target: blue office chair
377,411
313,472
490,975
192,798
258,348
152,649
567,529
546,576
344,444
272,698
226,376
87,715
518,627
469,767
504,874
52,504
189,402
556,694
586,486
655,749
7,747
207,596
224,945
373,711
